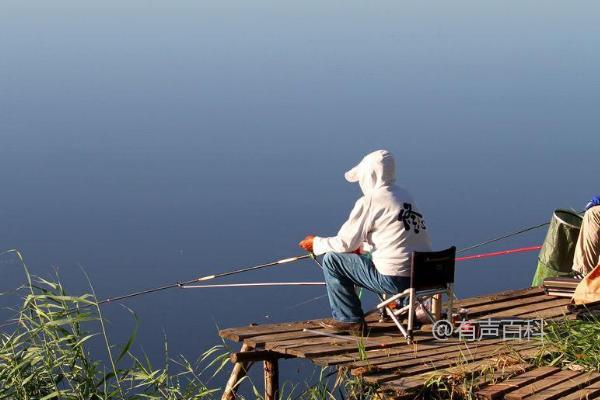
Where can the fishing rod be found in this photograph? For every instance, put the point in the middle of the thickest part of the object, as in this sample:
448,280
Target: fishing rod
506,236
184,283
498,253
509,235
207,278
258,284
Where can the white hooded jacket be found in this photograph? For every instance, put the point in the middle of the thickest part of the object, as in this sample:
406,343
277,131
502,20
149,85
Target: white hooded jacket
385,221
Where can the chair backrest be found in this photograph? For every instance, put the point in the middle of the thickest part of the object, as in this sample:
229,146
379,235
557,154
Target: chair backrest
432,269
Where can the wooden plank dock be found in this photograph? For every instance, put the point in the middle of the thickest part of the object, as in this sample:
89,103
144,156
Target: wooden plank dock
500,368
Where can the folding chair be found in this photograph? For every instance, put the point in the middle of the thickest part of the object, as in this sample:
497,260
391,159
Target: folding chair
432,273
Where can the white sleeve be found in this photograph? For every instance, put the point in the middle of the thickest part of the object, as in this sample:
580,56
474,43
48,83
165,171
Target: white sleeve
351,235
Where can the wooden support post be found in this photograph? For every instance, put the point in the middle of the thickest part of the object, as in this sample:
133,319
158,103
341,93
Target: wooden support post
271,379
436,306
239,371
256,355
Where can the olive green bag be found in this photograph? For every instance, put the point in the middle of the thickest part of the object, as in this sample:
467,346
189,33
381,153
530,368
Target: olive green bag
556,257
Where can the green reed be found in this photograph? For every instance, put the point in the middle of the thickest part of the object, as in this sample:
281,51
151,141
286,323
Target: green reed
573,344
45,354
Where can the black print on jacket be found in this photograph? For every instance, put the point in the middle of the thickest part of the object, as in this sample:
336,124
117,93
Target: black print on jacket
411,218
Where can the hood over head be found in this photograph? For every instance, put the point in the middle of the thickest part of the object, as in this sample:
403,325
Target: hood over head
375,170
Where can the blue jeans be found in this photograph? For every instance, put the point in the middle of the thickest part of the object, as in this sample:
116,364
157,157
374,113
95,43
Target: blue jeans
343,271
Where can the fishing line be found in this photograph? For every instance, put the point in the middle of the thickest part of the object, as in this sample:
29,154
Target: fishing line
499,238
304,302
314,257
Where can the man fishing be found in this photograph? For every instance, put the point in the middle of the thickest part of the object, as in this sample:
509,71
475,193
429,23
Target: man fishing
385,223
587,251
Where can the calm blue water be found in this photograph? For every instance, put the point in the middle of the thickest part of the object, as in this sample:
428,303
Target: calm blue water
149,142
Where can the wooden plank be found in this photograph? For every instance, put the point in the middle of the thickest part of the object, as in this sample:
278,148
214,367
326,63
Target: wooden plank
241,333
553,303
461,354
557,308
558,303
322,341
590,392
256,355
496,297
260,340
503,361
409,384
321,336
485,372
372,354
484,378
498,390
334,346
540,385
448,360
325,343
391,375
245,332
559,391
354,356
510,304
425,354
561,282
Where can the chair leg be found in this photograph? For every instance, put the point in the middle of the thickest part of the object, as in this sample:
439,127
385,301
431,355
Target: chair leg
411,314
436,306
382,314
397,322
450,300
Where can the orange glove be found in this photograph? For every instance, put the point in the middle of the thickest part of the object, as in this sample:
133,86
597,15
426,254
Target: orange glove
307,243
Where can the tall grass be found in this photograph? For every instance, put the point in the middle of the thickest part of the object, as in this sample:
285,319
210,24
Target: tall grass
332,383
573,344
462,381
45,354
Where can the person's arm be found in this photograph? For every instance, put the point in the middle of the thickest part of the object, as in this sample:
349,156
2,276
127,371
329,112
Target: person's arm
351,235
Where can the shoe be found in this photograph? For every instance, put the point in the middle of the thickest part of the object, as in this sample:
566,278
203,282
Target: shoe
352,327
